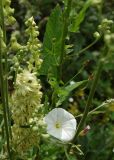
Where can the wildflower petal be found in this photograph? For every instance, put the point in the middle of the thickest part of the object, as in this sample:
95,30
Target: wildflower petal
70,124
51,117
57,133
67,135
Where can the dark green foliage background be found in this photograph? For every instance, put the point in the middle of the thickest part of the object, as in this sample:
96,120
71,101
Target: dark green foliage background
99,142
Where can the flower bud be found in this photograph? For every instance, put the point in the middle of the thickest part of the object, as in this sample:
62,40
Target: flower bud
97,35
85,131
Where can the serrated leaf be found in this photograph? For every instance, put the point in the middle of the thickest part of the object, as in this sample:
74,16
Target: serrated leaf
52,42
64,92
74,27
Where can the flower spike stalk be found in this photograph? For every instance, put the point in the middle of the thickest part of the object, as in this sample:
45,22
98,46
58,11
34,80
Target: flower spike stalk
4,102
3,80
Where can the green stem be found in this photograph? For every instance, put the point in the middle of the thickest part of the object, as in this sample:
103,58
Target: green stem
84,49
80,70
65,32
66,154
92,111
89,101
3,81
6,66
4,101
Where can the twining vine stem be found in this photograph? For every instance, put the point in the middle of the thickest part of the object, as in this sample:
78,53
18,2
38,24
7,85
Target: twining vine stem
91,94
89,101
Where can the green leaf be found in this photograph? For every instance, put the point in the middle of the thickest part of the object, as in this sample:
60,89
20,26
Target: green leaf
74,27
64,92
52,42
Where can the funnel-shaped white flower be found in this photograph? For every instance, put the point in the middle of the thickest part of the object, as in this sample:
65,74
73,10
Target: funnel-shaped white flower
61,124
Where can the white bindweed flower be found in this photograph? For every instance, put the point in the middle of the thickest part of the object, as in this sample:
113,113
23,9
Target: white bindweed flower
61,124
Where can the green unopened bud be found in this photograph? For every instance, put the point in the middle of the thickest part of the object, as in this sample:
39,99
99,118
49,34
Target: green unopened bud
96,2
33,24
35,128
12,69
8,11
11,20
105,25
17,65
107,38
15,46
29,21
31,120
33,44
97,35
7,2
3,45
3,60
